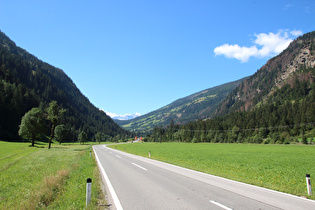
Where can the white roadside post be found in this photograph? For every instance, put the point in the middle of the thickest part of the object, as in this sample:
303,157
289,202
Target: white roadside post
149,154
88,191
308,183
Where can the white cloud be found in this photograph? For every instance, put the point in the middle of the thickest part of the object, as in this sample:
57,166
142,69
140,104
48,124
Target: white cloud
111,114
271,43
266,45
296,33
235,51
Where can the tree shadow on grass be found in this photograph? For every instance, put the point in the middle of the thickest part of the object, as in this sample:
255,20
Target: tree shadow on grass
36,146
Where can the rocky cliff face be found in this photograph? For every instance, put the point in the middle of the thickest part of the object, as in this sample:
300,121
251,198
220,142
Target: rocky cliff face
278,71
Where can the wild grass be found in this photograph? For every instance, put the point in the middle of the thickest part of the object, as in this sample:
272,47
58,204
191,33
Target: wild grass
33,177
278,167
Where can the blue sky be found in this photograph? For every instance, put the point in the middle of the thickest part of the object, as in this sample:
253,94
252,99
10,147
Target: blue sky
137,56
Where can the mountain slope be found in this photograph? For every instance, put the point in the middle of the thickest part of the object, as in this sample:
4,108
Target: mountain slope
27,82
275,105
200,105
283,69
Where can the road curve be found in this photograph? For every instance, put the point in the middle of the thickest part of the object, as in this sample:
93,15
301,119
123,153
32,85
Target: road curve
139,183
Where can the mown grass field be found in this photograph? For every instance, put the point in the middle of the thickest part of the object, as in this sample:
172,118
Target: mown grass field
35,177
278,167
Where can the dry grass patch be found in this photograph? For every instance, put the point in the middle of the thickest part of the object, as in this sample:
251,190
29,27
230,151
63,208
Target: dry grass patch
51,187
38,178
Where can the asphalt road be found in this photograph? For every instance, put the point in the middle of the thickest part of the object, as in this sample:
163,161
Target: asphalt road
135,182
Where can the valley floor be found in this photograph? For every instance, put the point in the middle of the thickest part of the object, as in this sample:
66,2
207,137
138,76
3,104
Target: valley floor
278,167
35,177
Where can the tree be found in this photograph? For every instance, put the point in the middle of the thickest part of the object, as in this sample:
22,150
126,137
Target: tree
32,124
234,134
99,136
54,115
82,137
61,133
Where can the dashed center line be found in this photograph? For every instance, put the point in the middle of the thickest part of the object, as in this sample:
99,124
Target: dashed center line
220,205
139,166
118,156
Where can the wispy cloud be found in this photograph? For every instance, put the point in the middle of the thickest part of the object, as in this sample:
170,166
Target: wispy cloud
265,45
296,33
288,6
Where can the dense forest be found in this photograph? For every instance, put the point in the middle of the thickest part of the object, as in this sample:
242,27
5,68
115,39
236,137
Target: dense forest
27,82
288,116
275,105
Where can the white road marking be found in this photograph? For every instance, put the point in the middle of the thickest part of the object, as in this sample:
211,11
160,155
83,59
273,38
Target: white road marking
118,156
109,184
221,205
110,152
139,166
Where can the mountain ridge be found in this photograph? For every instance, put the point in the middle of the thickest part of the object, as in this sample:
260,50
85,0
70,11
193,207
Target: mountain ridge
27,82
272,76
275,105
200,105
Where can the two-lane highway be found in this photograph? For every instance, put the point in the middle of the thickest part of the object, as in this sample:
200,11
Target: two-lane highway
140,183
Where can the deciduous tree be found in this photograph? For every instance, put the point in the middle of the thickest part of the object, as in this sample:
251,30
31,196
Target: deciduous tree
32,124
54,115
82,137
61,133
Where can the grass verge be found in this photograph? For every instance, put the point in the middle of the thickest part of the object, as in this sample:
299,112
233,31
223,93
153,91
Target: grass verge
33,177
278,167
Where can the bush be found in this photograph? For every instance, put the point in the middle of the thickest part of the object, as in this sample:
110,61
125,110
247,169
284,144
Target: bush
284,136
304,139
194,140
258,139
286,141
266,141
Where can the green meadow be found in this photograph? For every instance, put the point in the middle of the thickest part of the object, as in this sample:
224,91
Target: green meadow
38,178
278,167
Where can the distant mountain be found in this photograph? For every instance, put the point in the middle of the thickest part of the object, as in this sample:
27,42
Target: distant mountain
27,82
294,64
275,105
201,105
126,116
116,117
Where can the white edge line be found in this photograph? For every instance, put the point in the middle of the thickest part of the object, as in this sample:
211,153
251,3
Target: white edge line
221,205
217,177
110,187
139,166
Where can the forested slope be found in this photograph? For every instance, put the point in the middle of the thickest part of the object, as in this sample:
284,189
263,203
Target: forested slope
276,104
27,82
200,105
293,63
